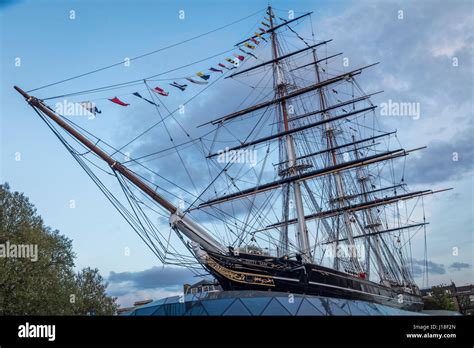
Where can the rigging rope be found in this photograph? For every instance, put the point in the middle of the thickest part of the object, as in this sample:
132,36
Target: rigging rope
138,81
124,212
147,54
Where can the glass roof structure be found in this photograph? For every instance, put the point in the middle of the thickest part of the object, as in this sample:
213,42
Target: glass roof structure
260,303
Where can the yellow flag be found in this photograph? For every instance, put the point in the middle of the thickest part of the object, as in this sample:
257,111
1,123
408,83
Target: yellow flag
230,60
246,44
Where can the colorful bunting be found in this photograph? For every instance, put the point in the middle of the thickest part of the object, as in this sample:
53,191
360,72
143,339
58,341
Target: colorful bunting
233,61
249,53
260,36
136,94
118,101
223,66
177,85
90,106
216,70
161,91
203,76
196,82
246,44
239,57
226,67
254,41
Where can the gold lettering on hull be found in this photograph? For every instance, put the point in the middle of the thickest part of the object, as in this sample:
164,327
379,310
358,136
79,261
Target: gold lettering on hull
240,277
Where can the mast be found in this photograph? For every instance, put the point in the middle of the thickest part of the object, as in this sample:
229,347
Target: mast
177,219
291,95
275,27
329,133
277,59
302,232
369,222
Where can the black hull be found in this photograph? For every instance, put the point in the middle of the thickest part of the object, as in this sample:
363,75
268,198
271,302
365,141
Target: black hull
255,272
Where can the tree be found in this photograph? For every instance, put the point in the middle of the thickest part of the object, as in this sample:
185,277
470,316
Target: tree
440,299
45,284
91,298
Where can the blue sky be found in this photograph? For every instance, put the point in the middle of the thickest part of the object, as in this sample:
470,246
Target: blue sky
417,65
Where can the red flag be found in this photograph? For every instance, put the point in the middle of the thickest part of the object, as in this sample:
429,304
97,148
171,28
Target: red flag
118,101
223,66
254,41
161,91
239,57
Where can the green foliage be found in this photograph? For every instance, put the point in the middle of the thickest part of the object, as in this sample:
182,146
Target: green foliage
440,299
48,286
91,297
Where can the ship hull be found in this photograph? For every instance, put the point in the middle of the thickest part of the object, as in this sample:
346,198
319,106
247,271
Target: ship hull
256,272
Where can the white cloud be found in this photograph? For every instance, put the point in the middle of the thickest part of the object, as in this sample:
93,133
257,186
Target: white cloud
448,48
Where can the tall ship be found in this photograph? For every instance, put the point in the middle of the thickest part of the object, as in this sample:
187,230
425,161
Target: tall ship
299,189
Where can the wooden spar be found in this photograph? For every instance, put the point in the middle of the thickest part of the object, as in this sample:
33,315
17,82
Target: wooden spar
34,102
309,175
379,232
316,62
361,206
340,147
294,130
276,27
349,197
332,107
278,59
289,95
